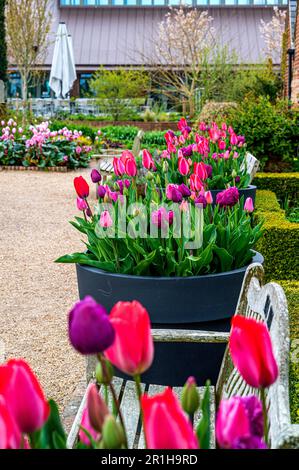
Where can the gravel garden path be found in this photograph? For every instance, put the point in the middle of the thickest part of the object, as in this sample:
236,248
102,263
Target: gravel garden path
35,293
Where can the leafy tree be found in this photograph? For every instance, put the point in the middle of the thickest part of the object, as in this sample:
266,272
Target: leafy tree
3,53
117,90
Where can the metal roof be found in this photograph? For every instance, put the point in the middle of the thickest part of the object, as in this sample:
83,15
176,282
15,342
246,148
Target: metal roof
120,36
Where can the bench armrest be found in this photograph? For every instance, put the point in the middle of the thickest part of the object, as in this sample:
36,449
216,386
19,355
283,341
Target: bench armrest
189,336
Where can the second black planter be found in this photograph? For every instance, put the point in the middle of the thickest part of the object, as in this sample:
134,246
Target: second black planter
199,302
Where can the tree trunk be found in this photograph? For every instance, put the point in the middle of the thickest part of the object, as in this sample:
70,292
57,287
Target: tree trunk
25,100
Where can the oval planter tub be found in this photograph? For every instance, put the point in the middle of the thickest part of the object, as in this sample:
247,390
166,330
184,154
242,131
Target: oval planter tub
247,192
199,302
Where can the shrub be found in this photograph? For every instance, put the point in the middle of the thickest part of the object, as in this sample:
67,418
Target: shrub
120,133
219,112
280,242
284,185
272,131
291,289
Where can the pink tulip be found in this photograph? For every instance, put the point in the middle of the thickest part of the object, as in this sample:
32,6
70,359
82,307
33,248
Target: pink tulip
81,204
183,166
201,171
86,424
233,139
10,435
239,423
147,160
118,166
195,183
166,424
97,408
209,197
248,206
132,351
221,144
251,351
106,220
24,396
131,167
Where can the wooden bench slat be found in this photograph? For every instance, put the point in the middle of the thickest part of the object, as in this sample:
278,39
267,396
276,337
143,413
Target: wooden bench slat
130,411
189,336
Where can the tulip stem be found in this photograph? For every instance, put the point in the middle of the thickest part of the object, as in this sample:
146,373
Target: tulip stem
265,415
114,397
137,380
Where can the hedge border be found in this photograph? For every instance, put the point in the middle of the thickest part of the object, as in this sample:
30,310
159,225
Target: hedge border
291,289
282,184
280,242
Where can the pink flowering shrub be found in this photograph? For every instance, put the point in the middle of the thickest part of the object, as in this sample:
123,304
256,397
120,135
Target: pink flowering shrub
41,147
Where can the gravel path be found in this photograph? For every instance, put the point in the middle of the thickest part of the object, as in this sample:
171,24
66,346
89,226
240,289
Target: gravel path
35,293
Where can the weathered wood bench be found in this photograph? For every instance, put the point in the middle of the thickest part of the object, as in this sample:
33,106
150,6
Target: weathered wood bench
266,303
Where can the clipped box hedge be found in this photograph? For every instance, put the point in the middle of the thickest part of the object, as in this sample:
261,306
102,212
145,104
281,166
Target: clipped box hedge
282,184
280,242
291,289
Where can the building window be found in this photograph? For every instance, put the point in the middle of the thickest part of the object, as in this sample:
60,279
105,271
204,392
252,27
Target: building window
157,3
84,88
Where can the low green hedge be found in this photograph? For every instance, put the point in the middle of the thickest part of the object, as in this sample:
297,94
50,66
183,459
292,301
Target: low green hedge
291,289
280,242
284,185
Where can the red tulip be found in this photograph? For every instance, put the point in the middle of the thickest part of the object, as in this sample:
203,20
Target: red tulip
166,424
81,187
251,350
132,351
24,396
183,166
10,435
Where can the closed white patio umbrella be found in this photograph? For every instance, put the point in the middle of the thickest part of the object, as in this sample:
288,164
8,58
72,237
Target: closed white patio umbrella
63,70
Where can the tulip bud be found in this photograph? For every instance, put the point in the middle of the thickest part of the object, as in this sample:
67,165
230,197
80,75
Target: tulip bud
234,173
104,377
113,433
95,176
149,176
165,166
190,397
97,408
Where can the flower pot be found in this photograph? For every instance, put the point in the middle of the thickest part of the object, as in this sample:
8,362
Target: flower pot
199,302
247,192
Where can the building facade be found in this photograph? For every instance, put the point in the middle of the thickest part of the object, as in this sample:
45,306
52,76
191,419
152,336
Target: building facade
114,33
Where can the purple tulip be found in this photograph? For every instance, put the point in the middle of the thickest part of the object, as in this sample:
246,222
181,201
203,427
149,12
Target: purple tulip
201,200
209,170
187,151
173,193
96,177
228,198
90,330
101,191
185,191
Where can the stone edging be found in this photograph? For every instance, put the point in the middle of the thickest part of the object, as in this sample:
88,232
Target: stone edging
59,169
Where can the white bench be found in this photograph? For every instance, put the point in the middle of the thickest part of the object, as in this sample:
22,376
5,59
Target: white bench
266,303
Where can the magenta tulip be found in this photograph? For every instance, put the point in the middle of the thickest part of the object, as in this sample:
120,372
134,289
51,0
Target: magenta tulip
239,423
166,424
106,219
81,204
86,425
119,167
251,351
183,166
147,160
228,198
133,350
131,167
10,435
97,408
96,177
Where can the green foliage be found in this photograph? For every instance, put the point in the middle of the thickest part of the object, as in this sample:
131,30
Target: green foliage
52,435
3,51
284,185
272,131
116,89
280,242
227,242
253,83
203,430
120,133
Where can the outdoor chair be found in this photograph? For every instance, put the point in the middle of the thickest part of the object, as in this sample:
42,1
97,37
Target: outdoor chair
262,302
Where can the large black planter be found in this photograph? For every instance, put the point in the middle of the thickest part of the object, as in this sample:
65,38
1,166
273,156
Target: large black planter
247,192
199,302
